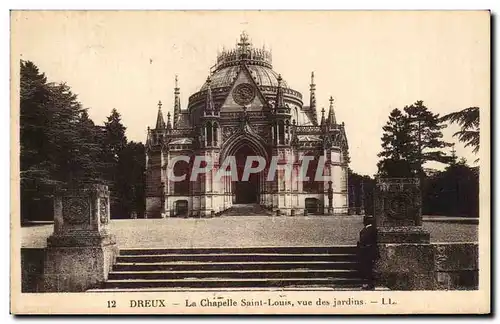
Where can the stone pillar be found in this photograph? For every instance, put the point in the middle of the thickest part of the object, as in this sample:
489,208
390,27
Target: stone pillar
406,258
164,210
81,251
330,198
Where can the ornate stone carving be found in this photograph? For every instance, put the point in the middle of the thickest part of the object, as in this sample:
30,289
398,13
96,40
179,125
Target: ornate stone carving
103,210
440,256
327,143
227,132
262,130
75,210
398,202
243,94
399,206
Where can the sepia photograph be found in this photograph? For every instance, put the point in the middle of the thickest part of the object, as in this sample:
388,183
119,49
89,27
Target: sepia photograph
250,162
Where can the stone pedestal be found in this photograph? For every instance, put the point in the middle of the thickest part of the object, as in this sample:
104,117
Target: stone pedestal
406,258
80,252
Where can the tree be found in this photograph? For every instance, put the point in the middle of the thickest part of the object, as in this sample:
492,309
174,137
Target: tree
453,192
64,133
62,147
361,191
410,139
114,143
89,142
468,120
396,146
58,142
34,114
115,134
35,169
425,133
130,180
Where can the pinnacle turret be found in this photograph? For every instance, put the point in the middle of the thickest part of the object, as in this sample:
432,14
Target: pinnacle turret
312,100
177,102
331,114
280,102
160,122
209,102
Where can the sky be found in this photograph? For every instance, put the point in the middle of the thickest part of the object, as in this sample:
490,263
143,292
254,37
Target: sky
371,62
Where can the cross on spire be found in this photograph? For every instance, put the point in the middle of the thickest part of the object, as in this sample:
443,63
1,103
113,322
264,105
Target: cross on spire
160,123
331,114
244,43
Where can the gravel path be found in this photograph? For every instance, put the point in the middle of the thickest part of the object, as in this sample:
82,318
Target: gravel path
239,231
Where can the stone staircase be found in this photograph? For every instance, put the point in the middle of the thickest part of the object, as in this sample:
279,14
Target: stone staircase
259,267
247,210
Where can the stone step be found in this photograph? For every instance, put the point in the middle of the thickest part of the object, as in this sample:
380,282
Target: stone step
232,282
247,210
240,250
233,257
249,267
191,266
202,274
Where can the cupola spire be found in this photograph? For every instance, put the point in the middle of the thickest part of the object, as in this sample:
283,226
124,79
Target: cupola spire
244,44
322,116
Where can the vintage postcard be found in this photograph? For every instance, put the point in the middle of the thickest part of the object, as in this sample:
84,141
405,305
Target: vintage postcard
250,162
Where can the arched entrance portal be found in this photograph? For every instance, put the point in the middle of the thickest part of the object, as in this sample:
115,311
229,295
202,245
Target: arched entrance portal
245,192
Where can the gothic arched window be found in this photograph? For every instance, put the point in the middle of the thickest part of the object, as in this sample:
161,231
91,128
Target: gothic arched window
311,185
182,187
281,132
209,133
215,133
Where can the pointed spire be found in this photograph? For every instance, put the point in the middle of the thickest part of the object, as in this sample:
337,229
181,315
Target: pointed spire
279,94
160,123
177,102
209,102
331,114
322,116
169,125
312,100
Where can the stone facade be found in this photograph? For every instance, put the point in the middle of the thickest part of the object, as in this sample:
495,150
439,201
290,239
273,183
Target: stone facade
245,109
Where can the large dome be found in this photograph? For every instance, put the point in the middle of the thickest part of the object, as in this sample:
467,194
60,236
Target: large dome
262,75
238,65
258,62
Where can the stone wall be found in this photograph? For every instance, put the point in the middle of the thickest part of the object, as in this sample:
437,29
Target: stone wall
456,265
32,263
435,266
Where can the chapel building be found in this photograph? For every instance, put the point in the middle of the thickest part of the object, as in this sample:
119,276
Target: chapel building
245,108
